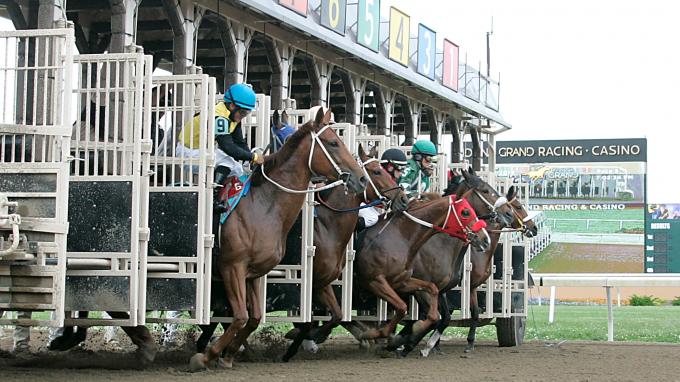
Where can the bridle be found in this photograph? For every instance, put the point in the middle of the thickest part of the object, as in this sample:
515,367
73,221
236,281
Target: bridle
343,177
382,199
522,227
457,229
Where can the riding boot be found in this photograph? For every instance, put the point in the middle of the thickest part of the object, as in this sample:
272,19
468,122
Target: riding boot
221,175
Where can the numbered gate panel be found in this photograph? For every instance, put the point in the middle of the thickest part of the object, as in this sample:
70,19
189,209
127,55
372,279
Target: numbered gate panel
179,262
34,147
109,187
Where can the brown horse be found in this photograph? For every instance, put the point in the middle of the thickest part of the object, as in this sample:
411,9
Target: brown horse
440,260
385,261
254,237
336,219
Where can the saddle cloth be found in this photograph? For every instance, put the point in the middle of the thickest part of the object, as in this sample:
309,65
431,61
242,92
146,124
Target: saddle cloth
237,189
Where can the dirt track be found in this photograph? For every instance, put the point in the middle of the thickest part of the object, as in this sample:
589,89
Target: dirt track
341,359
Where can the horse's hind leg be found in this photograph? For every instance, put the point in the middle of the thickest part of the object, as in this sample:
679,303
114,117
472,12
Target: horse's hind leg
140,336
433,342
474,311
234,279
70,336
301,335
427,293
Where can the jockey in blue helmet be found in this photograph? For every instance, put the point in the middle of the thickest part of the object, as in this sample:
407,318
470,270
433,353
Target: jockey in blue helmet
239,101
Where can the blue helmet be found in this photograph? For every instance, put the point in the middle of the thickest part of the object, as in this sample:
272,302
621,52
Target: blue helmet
241,95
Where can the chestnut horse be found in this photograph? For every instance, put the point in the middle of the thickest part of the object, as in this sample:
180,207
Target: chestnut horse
336,218
440,260
384,264
253,239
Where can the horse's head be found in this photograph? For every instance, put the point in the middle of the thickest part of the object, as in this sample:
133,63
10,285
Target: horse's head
463,219
332,159
382,186
521,218
485,200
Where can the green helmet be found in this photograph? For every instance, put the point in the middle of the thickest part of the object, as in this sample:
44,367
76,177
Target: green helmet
424,147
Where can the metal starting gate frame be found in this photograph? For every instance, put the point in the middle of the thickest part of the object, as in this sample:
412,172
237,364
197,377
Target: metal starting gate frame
109,187
34,154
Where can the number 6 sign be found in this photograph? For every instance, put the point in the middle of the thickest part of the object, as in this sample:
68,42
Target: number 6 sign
333,15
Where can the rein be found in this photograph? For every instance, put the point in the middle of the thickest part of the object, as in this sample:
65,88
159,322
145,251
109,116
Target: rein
380,200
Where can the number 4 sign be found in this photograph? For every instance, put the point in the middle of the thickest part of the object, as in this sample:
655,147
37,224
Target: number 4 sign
400,27
450,71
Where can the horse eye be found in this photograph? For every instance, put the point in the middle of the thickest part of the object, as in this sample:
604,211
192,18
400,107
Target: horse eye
334,143
376,172
465,213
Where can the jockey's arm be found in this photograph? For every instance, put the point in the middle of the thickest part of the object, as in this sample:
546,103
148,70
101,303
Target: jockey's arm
234,145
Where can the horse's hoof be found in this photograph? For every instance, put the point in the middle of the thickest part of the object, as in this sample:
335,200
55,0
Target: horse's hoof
424,353
310,346
225,363
66,342
365,344
394,342
292,334
147,352
469,349
197,362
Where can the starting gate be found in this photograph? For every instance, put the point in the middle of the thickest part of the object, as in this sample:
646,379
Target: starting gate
34,164
109,187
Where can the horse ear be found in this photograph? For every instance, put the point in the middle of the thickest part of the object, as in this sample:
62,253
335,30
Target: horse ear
326,116
374,152
362,153
284,117
511,193
471,170
466,174
275,118
319,116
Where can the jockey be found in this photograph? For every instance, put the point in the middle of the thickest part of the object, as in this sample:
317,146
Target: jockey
416,176
239,101
393,161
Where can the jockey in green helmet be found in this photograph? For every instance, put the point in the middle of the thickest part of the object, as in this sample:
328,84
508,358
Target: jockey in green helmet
415,178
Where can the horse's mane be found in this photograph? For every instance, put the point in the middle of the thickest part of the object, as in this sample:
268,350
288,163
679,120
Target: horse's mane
425,200
286,151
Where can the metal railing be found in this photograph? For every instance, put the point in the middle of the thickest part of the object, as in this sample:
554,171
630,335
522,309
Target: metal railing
593,225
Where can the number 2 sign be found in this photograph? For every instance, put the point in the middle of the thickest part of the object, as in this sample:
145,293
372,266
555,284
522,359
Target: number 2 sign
400,26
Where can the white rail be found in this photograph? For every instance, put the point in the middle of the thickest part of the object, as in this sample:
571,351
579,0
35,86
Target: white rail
605,280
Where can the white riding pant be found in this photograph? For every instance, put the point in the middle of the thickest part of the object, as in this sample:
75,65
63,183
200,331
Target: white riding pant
221,159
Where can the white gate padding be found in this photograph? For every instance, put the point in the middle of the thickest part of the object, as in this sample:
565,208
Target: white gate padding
109,186
35,83
180,202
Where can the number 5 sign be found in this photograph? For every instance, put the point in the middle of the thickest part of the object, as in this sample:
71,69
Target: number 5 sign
400,26
450,72
426,51
299,6
368,27
333,15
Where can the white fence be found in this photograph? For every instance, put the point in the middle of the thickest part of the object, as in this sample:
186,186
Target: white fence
605,280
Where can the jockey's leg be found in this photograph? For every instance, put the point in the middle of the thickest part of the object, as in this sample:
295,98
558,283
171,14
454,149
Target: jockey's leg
221,175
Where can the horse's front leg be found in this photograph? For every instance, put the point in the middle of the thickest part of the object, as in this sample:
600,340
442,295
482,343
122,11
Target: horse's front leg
327,298
474,311
254,300
234,278
382,289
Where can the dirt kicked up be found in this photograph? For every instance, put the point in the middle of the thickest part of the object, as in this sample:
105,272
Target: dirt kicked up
341,359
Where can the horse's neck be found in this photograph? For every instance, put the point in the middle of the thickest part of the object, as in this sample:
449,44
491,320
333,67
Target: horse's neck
435,214
337,226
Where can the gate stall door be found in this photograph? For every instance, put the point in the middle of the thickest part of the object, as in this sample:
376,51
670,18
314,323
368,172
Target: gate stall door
109,187
35,75
178,266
